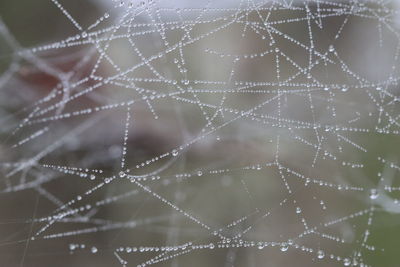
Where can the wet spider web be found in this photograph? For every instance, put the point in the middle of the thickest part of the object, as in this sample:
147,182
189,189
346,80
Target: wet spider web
245,133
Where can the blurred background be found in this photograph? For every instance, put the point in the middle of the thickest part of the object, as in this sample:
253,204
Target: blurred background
205,133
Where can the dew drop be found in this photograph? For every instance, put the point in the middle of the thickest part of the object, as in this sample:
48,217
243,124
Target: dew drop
320,254
284,247
373,194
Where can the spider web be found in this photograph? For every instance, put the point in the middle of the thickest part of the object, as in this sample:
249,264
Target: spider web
245,133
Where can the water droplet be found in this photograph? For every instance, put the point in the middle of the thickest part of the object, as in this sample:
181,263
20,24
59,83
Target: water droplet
298,210
284,247
174,152
331,48
346,262
320,254
199,173
93,249
373,194
122,174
